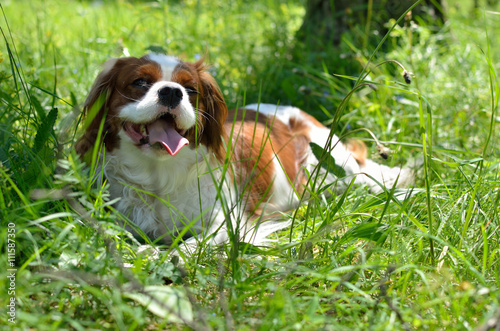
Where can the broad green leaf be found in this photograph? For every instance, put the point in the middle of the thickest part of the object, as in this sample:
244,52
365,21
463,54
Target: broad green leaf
327,161
168,302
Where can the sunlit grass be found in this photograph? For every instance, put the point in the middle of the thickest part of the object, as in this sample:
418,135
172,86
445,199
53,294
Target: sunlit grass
355,261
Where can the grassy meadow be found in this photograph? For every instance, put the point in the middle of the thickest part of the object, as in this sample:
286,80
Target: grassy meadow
427,260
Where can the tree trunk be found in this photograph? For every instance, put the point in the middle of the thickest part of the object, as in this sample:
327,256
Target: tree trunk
327,20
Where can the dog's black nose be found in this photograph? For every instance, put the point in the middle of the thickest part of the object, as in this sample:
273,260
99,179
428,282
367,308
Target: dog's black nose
170,96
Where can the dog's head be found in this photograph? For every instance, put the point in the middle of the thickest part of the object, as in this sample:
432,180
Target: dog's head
155,103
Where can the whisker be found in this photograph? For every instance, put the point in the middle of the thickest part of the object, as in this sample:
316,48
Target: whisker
207,116
128,98
200,125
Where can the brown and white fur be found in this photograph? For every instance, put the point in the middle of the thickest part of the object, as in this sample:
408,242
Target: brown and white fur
181,164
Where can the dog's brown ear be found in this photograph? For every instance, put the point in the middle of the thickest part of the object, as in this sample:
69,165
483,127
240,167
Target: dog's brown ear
95,108
216,109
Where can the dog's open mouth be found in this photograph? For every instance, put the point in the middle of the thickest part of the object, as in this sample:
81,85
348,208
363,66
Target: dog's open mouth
161,133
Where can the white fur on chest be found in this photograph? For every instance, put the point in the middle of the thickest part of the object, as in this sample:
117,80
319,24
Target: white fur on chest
164,195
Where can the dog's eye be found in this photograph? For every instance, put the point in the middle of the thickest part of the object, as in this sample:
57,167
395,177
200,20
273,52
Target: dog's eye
141,83
191,91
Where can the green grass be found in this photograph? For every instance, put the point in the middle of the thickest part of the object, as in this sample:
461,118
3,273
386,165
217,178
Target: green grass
356,261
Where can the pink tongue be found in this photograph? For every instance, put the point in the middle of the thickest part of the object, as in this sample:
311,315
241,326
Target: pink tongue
164,133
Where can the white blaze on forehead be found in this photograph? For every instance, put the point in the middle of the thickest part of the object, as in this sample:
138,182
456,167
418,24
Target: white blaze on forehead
167,64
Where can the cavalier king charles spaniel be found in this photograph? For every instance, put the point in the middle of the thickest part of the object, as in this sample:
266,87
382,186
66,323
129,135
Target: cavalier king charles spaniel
183,166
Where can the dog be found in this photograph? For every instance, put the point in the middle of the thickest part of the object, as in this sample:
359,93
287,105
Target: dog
183,166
